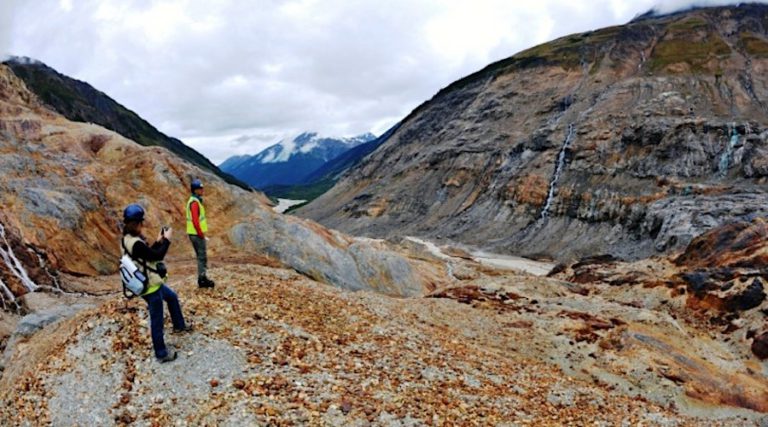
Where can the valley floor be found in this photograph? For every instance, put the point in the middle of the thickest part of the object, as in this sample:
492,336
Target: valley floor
503,262
285,204
273,347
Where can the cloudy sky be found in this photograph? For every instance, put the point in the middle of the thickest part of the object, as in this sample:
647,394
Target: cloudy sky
232,77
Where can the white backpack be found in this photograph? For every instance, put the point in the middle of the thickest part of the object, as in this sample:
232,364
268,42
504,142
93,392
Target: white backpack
134,281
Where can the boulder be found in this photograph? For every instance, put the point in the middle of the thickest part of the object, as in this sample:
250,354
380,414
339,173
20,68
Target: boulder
746,298
760,346
329,256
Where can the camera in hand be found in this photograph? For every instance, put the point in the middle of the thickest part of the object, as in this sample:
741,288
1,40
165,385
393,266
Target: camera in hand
161,269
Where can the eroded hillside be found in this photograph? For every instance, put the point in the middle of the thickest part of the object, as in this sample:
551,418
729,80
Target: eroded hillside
629,140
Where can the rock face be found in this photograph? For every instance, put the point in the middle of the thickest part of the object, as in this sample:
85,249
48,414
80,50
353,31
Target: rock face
277,347
64,185
629,140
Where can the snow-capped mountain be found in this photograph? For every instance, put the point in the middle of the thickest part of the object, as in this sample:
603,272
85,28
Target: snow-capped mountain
290,161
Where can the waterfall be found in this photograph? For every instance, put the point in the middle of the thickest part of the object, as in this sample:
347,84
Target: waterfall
449,267
727,155
13,263
558,170
7,295
42,264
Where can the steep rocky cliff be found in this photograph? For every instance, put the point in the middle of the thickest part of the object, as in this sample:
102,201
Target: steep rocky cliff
629,140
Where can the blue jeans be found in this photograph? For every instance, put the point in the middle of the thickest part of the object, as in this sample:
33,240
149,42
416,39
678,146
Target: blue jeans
155,305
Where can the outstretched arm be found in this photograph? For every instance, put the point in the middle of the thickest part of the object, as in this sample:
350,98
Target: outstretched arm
155,253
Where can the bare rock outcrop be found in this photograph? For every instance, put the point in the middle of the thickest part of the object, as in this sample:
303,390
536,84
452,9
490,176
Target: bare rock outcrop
332,257
718,281
625,140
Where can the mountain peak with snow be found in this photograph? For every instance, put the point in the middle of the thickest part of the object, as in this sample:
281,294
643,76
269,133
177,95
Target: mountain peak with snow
309,142
291,159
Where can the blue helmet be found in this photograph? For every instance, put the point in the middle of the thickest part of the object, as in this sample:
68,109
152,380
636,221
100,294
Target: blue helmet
196,183
133,212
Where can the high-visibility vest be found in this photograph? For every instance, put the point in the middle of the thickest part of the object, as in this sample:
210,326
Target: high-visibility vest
155,281
203,222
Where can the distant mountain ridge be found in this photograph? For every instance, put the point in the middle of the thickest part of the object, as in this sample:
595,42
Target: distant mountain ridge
291,161
80,102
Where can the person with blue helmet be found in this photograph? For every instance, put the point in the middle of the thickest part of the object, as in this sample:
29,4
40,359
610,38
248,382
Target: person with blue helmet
149,258
197,226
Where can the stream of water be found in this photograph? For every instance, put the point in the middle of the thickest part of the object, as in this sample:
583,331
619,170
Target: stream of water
505,262
558,170
285,204
13,263
7,295
725,158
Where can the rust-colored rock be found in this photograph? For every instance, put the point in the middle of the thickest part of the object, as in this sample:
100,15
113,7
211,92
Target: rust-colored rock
739,244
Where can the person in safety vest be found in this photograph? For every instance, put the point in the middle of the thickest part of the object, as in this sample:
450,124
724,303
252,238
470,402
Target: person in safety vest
197,226
149,258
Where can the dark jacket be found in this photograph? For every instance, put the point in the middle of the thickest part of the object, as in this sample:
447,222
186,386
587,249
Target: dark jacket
156,252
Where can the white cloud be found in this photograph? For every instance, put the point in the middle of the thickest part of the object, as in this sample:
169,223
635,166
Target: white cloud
669,6
7,14
210,71
288,146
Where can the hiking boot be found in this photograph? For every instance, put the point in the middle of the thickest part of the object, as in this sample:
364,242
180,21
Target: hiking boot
204,282
170,357
185,329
